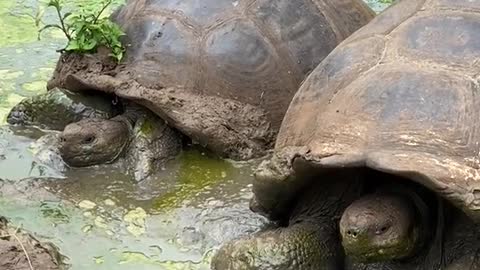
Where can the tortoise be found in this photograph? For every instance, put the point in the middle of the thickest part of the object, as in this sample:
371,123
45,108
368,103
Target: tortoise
222,72
146,147
151,142
376,163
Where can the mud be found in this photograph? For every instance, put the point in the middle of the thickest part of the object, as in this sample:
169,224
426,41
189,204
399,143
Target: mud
19,250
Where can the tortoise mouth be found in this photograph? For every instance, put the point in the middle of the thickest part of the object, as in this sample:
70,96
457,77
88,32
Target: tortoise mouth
86,160
363,251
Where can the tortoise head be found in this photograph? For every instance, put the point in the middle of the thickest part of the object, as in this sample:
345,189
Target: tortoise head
23,113
93,141
380,227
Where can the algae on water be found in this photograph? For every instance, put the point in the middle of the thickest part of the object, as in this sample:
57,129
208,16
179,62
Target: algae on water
15,27
195,173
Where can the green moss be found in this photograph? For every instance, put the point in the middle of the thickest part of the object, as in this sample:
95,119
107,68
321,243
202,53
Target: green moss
196,172
147,127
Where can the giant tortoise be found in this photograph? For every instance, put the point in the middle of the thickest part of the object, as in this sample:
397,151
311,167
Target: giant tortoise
376,164
222,72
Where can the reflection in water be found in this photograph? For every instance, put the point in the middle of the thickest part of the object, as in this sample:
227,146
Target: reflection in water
98,216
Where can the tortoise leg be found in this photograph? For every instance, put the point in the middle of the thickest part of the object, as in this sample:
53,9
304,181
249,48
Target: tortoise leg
301,246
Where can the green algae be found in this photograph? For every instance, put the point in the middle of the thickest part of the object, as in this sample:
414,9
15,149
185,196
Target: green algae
147,127
8,81
43,73
7,92
129,257
35,86
197,171
136,221
10,75
15,29
55,212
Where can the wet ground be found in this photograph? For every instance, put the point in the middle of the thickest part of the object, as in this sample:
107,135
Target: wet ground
98,217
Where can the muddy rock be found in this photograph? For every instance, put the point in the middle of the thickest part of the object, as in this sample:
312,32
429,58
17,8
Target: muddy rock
20,250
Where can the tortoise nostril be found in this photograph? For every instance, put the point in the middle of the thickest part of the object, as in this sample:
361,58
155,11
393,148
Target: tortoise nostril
352,233
62,139
88,139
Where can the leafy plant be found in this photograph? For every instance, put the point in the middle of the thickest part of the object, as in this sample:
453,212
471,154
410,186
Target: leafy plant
87,28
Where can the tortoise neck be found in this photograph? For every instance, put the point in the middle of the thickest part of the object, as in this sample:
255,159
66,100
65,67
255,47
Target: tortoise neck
327,198
132,112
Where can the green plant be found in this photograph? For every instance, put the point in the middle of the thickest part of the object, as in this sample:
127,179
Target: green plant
86,29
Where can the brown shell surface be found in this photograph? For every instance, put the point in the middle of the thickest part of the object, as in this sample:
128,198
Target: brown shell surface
399,96
251,52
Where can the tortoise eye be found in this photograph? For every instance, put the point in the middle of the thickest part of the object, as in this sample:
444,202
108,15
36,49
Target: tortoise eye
382,230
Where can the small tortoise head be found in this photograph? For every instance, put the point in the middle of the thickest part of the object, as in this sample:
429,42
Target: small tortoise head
20,115
93,141
380,227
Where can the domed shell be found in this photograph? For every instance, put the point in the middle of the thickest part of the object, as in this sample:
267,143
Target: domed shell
399,96
224,71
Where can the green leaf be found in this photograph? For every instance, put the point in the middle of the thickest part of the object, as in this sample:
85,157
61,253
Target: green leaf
72,46
54,3
66,15
88,26
90,45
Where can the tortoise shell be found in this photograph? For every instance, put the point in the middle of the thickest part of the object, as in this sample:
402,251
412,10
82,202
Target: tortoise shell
398,96
224,71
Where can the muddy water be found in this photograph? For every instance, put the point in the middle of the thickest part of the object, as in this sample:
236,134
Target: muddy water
99,217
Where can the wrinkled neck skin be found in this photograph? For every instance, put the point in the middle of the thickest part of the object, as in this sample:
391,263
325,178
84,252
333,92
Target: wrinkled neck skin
319,209
326,200
132,113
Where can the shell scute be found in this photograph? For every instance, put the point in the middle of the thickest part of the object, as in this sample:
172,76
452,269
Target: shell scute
202,12
294,25
441,38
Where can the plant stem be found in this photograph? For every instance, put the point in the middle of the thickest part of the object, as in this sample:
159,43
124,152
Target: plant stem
64,29
101,11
